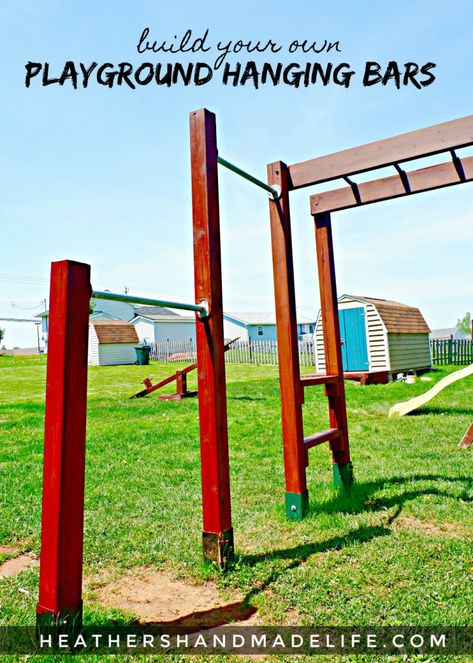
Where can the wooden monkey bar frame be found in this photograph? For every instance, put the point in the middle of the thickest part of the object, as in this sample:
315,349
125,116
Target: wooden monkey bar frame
60,590
60,587
446,137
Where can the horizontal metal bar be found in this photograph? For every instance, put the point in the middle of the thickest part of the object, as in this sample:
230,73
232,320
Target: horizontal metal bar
202,309
424,179
275,193
404,147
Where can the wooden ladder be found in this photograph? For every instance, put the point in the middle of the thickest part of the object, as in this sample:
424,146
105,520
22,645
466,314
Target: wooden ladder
292,384
332,434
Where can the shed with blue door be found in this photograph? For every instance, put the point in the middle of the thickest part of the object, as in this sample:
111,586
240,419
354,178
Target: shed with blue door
378,335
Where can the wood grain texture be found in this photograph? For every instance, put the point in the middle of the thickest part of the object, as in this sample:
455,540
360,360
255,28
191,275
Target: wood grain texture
209,332
288,343
386,188
60,581
414,144
332,343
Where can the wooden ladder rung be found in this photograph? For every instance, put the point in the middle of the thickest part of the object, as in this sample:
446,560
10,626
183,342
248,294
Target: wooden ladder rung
323,436
318,378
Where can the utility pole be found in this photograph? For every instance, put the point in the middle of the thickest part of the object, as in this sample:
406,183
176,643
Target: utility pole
37,324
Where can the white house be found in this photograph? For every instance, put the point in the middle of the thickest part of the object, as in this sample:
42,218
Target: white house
260,326
156,327
112,342
117,310
447,334
102,309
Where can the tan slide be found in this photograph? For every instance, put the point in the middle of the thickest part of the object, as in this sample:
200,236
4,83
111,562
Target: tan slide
400,409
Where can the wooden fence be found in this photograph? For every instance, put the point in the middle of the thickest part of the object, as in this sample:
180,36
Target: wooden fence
241,352
456,352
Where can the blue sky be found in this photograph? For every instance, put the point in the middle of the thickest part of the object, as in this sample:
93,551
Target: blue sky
102,175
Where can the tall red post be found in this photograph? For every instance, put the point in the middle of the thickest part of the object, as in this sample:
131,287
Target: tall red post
60,582
297,499
342,467
217,526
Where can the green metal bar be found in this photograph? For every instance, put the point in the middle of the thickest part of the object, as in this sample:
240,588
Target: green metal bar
276,194
202,309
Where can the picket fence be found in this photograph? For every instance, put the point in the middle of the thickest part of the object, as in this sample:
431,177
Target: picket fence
240,352
456,352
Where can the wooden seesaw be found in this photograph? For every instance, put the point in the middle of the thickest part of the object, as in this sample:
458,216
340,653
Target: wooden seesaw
181,382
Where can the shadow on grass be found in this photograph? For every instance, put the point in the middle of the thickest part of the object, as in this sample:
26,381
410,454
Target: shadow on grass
433,409
361,496
247,398
29,407
242,611
359,499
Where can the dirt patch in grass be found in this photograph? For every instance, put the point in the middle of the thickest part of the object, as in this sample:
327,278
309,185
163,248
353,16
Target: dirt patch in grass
8,550
158,598
16,565
430,527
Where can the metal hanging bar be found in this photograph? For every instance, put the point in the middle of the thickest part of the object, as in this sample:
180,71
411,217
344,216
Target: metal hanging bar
274,191
404,178
457,162
201,309
354,188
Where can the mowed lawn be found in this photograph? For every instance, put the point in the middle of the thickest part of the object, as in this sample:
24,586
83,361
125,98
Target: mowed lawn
396,550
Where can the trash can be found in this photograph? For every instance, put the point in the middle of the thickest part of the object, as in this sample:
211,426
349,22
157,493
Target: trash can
142,354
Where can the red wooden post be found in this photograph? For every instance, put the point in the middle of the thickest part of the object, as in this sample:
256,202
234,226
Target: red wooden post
60,582
342,468
217,526
181,383
297,500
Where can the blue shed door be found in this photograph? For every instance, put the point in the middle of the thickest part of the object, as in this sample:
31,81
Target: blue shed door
353,336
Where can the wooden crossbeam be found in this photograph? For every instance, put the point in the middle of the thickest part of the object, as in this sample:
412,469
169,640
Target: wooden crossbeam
313,379
413,145
424,179
324,436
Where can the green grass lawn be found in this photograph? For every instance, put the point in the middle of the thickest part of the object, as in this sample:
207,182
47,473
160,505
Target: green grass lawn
396,550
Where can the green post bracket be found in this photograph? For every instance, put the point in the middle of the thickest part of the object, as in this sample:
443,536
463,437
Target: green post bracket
343,475
297,505
218,547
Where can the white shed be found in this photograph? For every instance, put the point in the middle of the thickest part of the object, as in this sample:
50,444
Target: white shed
111,343
378,335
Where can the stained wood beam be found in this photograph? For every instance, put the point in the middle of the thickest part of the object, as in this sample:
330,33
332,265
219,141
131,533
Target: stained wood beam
424,179
215,473
413,145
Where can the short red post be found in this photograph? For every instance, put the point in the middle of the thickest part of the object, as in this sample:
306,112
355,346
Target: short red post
297,500
217,526
342,466
60,582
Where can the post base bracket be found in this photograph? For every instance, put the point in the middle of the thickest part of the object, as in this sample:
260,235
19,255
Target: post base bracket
297,505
